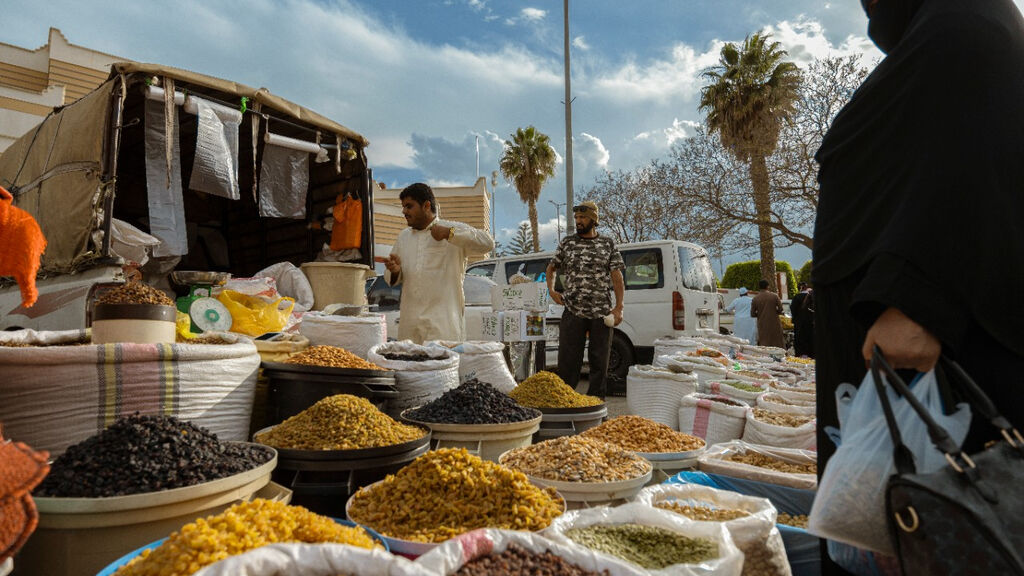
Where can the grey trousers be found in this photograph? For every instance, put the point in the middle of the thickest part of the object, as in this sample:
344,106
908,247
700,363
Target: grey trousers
572,338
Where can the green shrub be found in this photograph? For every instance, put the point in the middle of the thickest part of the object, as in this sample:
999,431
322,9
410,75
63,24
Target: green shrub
749,274
805,272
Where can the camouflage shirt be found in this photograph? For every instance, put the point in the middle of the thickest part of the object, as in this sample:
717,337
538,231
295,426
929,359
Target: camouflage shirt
585,266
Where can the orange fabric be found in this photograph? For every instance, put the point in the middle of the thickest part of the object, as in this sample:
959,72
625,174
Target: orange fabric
348,223
23,243
21,469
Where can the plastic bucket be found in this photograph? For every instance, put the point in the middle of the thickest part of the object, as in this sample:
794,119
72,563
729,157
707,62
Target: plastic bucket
139,323
553,425
337,282
488,441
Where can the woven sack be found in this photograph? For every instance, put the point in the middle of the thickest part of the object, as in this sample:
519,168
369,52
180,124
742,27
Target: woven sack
655,393
725,388
357,334
801,437
417,382
714,421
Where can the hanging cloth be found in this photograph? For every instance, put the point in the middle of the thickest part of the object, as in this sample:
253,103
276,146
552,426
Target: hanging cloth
163,183
347,232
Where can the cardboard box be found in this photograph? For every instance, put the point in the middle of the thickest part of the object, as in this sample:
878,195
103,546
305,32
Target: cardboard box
490,326
522,326
531,296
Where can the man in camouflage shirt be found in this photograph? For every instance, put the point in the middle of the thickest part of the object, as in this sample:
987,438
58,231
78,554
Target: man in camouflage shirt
589,266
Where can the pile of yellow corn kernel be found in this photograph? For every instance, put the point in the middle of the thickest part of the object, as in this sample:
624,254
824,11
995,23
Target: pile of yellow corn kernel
340,422
238,529
449,491
546,390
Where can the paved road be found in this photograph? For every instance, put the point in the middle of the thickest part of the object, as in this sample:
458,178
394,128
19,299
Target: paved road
616,404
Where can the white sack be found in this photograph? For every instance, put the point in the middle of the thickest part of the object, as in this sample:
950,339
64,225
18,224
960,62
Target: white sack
417,382
655,392
357,334
286,559
716,461
290,282
483,360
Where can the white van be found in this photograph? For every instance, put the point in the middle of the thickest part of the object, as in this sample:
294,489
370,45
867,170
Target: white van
671,290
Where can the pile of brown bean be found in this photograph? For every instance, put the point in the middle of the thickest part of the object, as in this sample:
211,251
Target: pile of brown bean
340,422
781,419
242,527
705,513
331,357
650,547
135,293
517,561
546,390
640,434
777,464
797,520
449,491
576,459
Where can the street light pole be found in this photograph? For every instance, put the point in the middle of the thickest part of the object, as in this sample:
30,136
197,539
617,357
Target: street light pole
568,113
558,219
494,186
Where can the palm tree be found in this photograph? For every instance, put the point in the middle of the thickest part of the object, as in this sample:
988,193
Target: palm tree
752,92
528,161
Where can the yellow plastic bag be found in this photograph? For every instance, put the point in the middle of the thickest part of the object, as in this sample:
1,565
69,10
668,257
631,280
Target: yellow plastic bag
256,315
183,326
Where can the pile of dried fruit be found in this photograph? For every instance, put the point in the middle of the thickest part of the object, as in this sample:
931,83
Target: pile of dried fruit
546,390
332,357
340,422
238,529
640,434
798,520
473,402
141,454
449,491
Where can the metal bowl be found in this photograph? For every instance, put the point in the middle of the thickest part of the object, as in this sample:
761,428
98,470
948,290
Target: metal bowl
192,277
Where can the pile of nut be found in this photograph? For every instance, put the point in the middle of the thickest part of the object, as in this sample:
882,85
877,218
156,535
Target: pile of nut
640,434
340,422
449,491
135,293
546,390
779,465
332,357
517,561
576,459
797,520
704,513
781,419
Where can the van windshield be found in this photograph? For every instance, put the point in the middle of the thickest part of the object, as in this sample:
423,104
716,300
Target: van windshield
696,269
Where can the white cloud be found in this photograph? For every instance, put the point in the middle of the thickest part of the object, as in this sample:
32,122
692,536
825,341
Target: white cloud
593,150
581,43
671,79
804,39
533,14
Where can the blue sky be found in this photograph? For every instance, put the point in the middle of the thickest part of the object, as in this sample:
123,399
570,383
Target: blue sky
423,79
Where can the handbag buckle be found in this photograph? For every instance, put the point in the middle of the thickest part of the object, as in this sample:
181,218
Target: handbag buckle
965,457
1010,439
915,522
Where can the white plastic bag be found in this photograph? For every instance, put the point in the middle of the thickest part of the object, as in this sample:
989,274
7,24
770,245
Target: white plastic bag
482,360
850,505
357,334
130,243
802,437
655,392
455,553
284,559
714,418
290,282
728,563
716,461
417,382
755,534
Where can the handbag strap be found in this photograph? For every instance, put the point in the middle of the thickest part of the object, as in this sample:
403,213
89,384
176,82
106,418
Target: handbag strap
902,456
981,402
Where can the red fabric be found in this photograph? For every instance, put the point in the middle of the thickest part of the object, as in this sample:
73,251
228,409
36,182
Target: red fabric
23,243
702,418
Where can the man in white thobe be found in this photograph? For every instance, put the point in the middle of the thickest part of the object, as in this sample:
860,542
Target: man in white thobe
743,325
429,261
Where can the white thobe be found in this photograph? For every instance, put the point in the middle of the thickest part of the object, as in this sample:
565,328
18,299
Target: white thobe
743,325
433,304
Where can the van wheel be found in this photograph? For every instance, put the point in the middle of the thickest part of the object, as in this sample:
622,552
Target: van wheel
620,359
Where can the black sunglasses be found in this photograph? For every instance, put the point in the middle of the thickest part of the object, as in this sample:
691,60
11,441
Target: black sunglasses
580,208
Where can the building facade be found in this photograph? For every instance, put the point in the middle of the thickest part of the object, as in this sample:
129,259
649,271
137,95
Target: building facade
33,82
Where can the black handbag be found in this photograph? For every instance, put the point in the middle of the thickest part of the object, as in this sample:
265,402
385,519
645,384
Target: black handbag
968,517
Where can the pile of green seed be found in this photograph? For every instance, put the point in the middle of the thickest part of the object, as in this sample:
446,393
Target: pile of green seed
650,547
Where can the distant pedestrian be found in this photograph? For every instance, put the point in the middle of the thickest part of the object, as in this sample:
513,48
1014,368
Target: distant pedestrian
743,325
766,307
591,268
802,310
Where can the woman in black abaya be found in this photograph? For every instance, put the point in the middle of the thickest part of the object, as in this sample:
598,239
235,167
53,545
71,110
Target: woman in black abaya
921,214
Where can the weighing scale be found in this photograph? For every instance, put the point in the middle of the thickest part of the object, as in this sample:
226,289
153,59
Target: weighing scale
207,313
